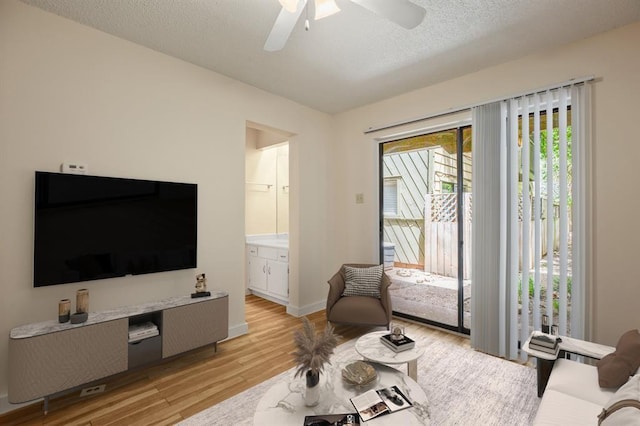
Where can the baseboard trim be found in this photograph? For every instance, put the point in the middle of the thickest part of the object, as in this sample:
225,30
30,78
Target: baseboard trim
238,330
270,297
297,311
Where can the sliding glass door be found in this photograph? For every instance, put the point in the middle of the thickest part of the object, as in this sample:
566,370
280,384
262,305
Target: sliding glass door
425,226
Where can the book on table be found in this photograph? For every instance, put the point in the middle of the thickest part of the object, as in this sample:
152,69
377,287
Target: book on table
544,340
374,403
349,419
397,344
545,349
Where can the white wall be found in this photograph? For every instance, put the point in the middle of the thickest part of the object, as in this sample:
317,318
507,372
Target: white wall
260,200
267,175
614,59
69,92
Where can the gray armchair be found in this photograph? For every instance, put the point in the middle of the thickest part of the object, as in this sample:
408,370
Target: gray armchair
358,310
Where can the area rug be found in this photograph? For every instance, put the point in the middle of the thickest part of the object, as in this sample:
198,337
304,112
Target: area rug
463,386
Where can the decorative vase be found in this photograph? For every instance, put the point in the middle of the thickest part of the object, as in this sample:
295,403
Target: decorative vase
64,310
312,390
82,301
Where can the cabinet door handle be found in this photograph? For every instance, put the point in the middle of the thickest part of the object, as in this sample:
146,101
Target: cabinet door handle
269,269
264,268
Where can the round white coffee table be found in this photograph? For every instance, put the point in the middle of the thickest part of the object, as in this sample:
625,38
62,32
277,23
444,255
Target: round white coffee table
283,403
370,347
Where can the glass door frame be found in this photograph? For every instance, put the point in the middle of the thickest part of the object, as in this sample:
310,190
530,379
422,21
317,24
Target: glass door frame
460,328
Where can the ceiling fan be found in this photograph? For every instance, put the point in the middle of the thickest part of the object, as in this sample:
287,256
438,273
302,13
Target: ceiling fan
402,12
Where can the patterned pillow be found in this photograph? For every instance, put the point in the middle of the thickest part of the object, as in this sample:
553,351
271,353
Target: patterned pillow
363,281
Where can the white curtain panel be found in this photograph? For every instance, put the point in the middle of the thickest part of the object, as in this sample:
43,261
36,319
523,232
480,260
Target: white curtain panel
581,123
522,201
487,264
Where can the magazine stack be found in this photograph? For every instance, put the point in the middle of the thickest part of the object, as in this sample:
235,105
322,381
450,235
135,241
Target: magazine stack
142,331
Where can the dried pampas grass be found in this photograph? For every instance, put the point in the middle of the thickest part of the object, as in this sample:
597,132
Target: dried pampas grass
313,349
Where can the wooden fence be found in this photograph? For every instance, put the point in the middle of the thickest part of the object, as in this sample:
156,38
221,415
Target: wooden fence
424,229
441,235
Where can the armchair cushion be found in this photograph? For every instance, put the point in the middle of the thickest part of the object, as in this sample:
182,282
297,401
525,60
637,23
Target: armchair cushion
363,281
359,310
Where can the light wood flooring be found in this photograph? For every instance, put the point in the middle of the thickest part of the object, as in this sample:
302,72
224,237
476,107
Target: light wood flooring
175,389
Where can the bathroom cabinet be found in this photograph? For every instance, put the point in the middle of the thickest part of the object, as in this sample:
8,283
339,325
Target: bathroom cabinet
268,272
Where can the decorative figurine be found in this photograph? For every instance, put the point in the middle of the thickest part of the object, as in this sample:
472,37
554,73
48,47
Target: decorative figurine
201,283
201,287
397,333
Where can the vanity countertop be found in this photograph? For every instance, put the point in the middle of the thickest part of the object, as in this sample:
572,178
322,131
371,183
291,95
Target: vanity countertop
280,241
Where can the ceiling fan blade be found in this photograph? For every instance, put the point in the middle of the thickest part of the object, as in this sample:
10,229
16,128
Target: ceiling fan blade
282,28
402,12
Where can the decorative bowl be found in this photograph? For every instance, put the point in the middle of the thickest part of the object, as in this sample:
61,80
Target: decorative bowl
359,373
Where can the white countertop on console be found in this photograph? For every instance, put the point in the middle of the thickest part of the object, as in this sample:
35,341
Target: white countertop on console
46,327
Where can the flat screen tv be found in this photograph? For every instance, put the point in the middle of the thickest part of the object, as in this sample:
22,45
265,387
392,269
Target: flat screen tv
90,227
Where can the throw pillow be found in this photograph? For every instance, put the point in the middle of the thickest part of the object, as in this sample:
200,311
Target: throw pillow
362,281
615,369
629,414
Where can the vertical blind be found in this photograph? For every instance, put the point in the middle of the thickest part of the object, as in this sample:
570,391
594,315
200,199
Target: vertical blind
530,171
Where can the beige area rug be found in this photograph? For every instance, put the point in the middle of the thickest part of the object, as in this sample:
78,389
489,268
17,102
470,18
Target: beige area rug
464,387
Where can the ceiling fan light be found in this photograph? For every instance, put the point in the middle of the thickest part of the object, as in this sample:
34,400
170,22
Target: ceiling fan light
326,8
289,5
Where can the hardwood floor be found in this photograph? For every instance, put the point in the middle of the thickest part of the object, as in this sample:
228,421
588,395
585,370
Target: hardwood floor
173,390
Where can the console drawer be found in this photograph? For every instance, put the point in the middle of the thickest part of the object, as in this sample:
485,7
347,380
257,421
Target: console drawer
145,351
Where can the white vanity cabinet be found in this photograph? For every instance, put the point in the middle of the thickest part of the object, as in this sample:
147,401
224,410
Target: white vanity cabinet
268,272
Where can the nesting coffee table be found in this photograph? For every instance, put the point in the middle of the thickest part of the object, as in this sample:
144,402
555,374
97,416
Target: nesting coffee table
283,403
370,347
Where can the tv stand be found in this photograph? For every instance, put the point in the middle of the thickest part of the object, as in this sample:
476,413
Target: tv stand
48,358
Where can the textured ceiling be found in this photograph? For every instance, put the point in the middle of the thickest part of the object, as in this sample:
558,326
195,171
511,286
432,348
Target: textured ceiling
354,57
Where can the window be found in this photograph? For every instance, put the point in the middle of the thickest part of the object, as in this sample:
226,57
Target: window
390,197
447,187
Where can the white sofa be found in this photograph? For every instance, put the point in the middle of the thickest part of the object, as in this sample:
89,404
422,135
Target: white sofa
574,397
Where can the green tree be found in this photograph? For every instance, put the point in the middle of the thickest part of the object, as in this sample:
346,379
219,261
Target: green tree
555,162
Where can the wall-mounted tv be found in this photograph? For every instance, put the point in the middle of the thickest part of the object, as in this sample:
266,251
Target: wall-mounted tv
91,227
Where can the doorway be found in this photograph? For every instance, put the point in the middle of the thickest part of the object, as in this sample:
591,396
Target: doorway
425,226
267,213
267,181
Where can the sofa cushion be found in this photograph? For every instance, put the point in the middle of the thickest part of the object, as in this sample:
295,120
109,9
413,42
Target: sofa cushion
578,380
558,408
615,369
627,415
362,281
